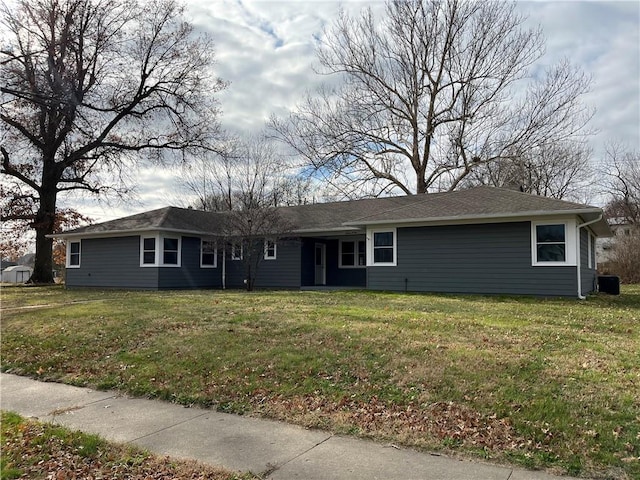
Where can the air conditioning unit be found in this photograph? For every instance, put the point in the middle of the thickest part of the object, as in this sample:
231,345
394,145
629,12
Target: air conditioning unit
609,284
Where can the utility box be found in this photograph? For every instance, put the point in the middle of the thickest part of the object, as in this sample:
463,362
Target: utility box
609,284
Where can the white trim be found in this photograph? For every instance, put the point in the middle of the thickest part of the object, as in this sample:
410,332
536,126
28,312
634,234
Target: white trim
356,253
589,247
156,250
68,259
159,251
215,253
569,242
370,247
266,249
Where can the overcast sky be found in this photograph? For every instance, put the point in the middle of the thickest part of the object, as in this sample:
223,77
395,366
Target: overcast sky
265,49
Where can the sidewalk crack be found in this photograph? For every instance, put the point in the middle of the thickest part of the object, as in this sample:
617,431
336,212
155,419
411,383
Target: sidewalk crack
271,468
167,427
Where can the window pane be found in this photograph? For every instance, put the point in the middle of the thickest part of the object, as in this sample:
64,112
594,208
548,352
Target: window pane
348,258
170,258
74,247
383,255
149,243
362,255
551,253
550,233
208,259
149,257
383,239
171,244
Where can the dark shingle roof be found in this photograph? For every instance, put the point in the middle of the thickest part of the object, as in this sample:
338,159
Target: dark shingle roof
476,203
167,218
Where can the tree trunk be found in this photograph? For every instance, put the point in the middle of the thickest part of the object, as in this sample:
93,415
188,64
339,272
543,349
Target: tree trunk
44,225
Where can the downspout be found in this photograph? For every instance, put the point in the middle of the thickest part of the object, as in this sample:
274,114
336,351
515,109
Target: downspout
578,259
224,267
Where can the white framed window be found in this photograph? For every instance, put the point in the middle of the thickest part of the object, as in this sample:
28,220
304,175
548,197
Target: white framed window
590,243
208,254
270,249
236,251
73,254
553,243
170,251
382,248
352,254
160,251
148,251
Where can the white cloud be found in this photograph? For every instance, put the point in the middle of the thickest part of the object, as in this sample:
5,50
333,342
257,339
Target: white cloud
266,50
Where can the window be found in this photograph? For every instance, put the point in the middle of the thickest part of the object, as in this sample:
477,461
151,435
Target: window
353,253
160,251
73,255
553,244
269,249
149,251
208,254
382,247
170,251
236,251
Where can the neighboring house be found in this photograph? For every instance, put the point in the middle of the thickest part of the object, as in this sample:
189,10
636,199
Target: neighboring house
16,274
482,240
605,246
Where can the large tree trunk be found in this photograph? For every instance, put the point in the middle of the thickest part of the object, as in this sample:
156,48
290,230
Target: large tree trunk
44,225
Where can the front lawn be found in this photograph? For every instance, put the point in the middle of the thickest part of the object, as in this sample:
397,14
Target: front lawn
540,383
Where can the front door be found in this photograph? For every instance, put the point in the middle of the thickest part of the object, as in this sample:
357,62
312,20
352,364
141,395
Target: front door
321,264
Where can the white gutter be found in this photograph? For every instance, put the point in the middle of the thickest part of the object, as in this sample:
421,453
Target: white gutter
578,259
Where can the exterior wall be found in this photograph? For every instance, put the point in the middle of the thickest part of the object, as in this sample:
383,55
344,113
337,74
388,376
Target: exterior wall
115,263
336,276
483,259
588,276
190,274
282,272
111,263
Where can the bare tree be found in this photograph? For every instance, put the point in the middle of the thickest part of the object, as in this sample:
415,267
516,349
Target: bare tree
86,88
560,170
248,181
621,178
430,93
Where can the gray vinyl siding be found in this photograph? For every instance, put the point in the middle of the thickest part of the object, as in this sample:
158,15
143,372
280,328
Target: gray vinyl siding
282,272
481,259
115,263
189,274
588,275
111,263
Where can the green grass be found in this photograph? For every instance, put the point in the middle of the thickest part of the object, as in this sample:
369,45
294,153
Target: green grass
541,383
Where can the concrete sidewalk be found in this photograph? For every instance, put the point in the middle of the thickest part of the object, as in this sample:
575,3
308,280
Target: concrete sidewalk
272,450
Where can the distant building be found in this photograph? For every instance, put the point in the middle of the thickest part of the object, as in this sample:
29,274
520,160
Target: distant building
16,274
605,245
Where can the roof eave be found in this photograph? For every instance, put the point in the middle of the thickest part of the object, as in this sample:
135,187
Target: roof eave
129,232
486,217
